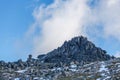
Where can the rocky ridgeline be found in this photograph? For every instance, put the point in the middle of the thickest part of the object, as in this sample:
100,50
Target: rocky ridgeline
66,61
78,49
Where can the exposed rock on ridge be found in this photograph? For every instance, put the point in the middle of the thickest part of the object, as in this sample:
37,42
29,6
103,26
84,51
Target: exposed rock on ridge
77,49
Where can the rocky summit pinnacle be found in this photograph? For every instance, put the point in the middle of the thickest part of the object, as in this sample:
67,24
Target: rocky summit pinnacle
77,49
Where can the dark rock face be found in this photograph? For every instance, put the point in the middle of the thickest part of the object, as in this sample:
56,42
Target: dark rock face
41,57
78,49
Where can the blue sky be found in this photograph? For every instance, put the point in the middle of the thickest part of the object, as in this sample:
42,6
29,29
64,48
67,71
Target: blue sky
16,17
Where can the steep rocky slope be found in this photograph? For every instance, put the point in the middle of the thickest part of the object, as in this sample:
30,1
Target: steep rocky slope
77,49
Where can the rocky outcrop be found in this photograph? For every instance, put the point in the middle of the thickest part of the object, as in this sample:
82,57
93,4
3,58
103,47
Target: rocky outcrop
77,56
77,49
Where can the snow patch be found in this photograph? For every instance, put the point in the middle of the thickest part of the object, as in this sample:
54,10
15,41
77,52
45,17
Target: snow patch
36,78
73,66
21,71
17,79
102,67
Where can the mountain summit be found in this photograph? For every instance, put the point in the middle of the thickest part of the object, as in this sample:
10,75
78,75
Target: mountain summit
77,49
72,61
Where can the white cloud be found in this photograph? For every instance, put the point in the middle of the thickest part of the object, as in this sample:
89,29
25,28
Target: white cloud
108,13
58,22
65,19
117,54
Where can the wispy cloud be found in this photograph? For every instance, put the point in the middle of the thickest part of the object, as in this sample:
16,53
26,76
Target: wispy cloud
65,19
